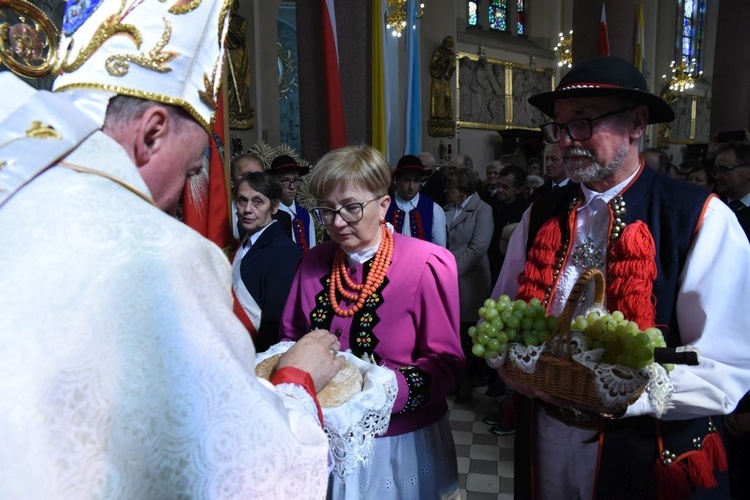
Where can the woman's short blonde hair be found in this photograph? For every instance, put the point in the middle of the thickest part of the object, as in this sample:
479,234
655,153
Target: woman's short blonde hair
361,165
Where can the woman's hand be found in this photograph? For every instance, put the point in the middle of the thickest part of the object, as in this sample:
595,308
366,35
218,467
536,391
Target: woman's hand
315,353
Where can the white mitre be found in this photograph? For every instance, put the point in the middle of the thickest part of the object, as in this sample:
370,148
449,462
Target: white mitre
168,51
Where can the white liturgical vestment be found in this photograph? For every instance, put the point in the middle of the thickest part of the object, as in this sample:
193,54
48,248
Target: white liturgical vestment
124,372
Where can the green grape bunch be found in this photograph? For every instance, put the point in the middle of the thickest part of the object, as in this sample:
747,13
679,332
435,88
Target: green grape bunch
509,321
623,341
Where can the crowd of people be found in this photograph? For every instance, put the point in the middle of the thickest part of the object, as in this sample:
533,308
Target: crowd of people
128,374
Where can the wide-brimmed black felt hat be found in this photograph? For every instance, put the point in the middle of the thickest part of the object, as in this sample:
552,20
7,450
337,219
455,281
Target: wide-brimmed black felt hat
408,162
606,76
285,162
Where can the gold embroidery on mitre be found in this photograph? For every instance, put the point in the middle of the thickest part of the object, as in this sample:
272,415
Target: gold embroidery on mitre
39,130
183,6
155,59
207,94
109,28
141,94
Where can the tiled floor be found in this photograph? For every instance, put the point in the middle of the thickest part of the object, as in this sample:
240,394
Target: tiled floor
485,461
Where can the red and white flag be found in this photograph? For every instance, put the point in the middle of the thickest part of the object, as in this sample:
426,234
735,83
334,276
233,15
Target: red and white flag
603,35
336,127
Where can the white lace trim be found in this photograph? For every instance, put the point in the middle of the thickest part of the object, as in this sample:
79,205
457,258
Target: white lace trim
351,428
616,385
298,393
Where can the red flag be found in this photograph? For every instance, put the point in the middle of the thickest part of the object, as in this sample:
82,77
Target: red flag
603,35
336,128
206,198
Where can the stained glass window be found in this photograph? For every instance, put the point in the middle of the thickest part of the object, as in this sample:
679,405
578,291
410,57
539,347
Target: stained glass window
472,13
521,18
691,18
499,15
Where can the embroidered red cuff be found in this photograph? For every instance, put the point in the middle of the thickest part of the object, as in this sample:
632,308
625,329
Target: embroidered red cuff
291,375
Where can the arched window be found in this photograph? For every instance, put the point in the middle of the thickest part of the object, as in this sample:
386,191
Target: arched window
499,15
691,18
521,18
472,13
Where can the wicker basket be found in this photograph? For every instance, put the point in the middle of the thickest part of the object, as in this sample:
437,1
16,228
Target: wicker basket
556,373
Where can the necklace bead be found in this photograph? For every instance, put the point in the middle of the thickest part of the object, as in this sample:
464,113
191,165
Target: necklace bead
342,286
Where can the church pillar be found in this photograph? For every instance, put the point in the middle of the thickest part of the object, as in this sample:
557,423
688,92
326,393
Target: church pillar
731,74
621,26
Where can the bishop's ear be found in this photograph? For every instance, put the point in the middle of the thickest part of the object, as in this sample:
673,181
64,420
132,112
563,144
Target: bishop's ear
152,127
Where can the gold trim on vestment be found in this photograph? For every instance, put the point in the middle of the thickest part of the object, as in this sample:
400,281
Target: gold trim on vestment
86,170
151,96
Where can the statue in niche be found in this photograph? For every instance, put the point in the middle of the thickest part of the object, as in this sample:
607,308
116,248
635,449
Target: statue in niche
241,115
442,67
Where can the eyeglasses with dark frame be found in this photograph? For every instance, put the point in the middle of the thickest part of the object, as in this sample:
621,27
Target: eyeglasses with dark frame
351,212
288,182
724,169
579,129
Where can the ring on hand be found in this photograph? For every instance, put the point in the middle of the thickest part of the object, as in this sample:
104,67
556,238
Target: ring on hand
333,351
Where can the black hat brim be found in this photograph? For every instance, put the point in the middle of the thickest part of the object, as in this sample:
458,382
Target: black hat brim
659,110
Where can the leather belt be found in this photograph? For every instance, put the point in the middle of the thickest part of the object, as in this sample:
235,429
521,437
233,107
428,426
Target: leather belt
573,417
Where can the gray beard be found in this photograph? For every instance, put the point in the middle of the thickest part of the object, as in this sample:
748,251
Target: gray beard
588,170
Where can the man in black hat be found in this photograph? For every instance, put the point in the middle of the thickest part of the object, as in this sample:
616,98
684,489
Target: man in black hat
412,213
662,244
288,172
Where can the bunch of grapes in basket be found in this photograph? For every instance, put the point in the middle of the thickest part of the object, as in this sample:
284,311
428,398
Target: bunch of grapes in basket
623,341
509,321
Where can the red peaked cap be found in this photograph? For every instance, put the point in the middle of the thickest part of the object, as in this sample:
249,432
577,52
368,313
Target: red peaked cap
607,76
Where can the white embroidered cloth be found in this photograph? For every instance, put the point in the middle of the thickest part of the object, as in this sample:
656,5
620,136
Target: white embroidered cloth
616,385
352,427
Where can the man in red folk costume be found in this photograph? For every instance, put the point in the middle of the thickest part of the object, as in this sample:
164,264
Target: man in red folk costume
674,257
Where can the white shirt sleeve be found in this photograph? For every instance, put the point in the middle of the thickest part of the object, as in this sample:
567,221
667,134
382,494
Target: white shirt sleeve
710,312
438,225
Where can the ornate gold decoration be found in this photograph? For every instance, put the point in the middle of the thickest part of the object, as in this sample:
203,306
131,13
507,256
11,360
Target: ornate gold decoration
39,130
564,50
109,28
155,59
183,6
395,16
286,70
683,75
149,96
207,94
28,39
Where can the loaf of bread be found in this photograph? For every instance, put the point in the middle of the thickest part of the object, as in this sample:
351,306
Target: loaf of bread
346,383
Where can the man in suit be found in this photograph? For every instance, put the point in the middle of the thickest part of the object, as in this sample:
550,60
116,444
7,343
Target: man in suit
507,207
732,178
433,185
555,175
